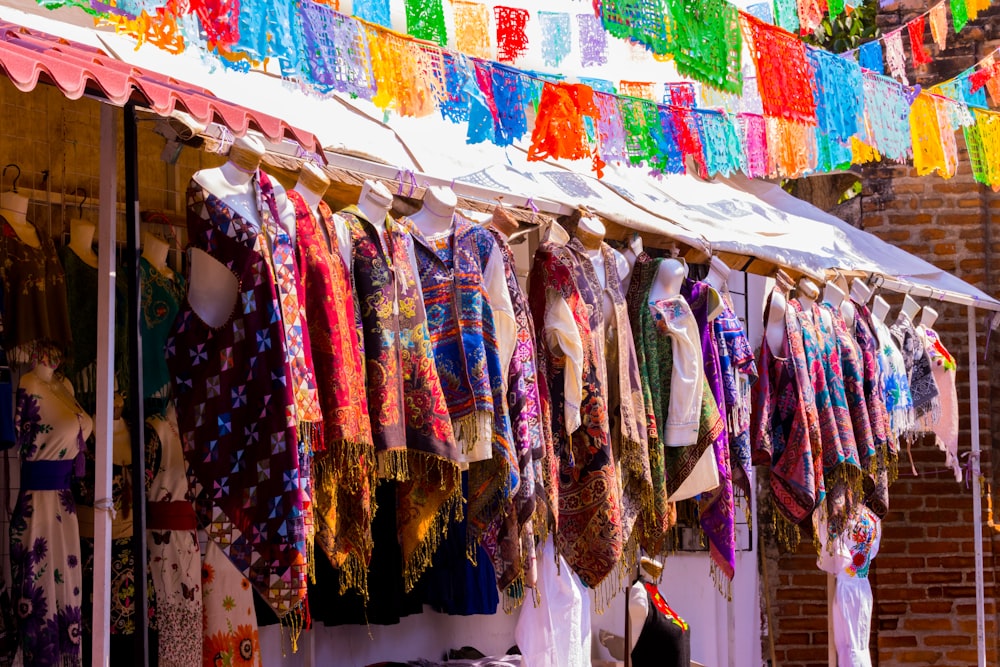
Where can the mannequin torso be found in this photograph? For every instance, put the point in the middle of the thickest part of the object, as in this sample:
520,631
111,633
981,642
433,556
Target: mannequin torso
154,250
81,240
669,278
435,217
14,208
375,203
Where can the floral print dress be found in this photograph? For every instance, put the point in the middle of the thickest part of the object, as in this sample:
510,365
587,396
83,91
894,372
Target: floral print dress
44,534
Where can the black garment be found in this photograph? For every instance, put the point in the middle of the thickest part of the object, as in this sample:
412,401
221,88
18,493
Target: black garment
662,642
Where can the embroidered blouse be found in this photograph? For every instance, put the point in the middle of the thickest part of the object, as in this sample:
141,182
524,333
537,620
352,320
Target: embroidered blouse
673,319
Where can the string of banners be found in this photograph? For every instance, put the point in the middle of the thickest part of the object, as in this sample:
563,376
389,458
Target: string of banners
792,110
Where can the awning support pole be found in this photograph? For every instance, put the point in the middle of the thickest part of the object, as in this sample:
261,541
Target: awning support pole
103,422
136,426
977,495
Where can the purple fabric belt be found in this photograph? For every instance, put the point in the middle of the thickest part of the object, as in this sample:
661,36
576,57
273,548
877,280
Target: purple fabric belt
46,475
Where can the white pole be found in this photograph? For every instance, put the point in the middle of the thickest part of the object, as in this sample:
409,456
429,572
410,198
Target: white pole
103,423
977,496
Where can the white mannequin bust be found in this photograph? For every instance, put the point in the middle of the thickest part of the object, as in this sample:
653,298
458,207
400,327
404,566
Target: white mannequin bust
312,185
880,308
860,292
909,309
775,332
631,254
669,278
928,316
374,204
436,214
808,292
14,208
81,241
718,274
155,250
42,381
833,295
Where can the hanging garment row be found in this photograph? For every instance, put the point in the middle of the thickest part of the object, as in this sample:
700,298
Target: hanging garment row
363,415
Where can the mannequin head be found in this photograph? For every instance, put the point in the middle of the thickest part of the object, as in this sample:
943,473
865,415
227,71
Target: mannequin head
436,213
880,308
373,193
669,278
312,185
651,569
590,231
47,360
833,295
807,291
246,154
910,308
718,273
860,292
155,250
928,316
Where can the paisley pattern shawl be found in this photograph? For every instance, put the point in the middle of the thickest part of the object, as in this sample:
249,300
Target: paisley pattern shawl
344,467
669,466
467,357
235,413
589,532
877,487
739,371
784,424
626,407
716,509
531,439
923,389
411,430
852,373
827,341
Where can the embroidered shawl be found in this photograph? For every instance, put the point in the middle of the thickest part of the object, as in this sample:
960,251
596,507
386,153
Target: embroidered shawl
235,410
589,532
945,422
784,423
877,486
344,467
918,367
620,377
411,430
898,400
460,321
532,443
852,374
716,509
739,371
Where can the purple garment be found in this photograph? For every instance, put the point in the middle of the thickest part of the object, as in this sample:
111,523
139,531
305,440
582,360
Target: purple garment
717,507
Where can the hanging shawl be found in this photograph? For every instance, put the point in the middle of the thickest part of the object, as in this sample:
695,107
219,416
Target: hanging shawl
898,400
589,532
918,368
461,325
784,427
235,403
716,511
281,253
620,375
344,468
877,486
532,442
414,441
945,423
736,357
669,466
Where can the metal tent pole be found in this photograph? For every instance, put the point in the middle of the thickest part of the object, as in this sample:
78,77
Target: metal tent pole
136,426
103,421
977,496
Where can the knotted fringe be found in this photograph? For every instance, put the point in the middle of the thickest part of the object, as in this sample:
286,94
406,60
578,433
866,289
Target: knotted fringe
422,556
473,431
295,622
491,504
513,595
310,433
723,584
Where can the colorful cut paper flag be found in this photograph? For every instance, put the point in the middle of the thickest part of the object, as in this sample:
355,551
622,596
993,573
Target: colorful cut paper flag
374,11
425,20
706,41
939,25
959,14
679,94
983,141
560,131
786,15
555,37
337,51
640,89
784,78
810,15
925,133
593,40
915,28
896,56
839,95
756,161
641,21
870,57
220,21
472,29
888,109
793,146
512,41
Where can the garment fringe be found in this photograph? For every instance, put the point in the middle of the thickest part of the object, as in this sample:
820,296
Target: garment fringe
420,560
513,595
473,431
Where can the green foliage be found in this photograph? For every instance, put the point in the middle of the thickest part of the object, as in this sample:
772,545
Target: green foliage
848,30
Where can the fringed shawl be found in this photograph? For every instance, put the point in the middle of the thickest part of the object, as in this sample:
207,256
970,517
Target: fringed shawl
896,382
344,466
411,429
923,389
461,324
589,533
739,371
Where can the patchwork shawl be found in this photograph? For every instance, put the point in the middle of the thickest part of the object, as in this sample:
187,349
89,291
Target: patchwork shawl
411,429
235,410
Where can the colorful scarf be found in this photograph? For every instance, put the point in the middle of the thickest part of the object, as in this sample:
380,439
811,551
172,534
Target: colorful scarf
589,532
736,356
944,424
460,322
852,374
669,466
918,367
343,468
877,488
785,424
235,404
281,253
716,509
412,433
626,408
898,400
531,439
